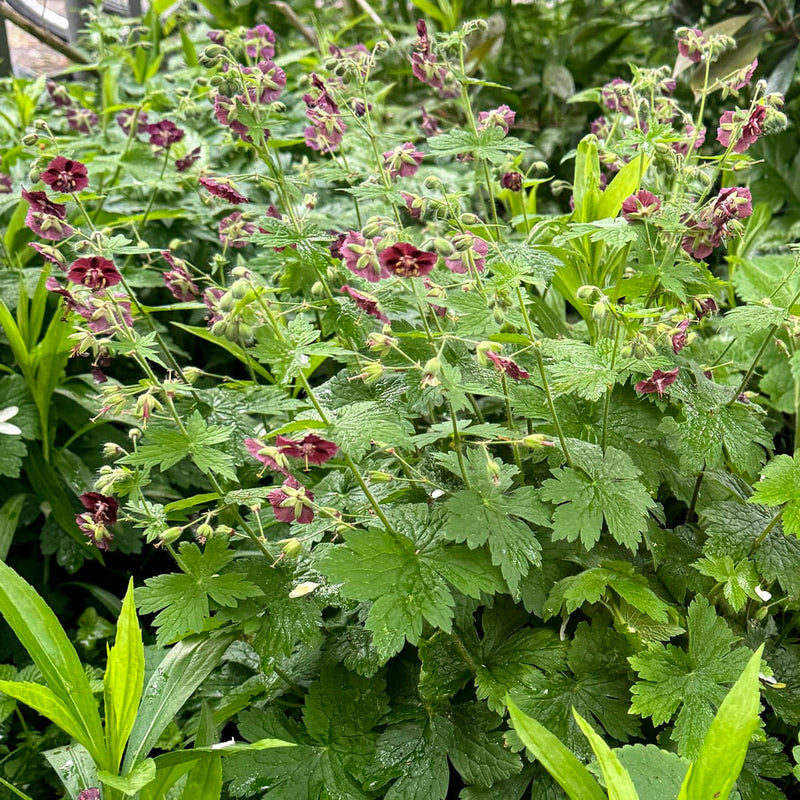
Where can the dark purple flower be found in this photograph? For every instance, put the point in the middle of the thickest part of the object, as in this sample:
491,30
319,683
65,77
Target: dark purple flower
327,127
508,367
335,247
706,306
365,302
429,126
311,448
182,164
178,280
81,120
732,203
361,257
658,382
511,181
618,96
65,175
58,94
641,205
749,126
46,218
223,189
500,117
164,134
211,298
125,120
218,37
271,457
94,272
678,339
89,794
292,502
407,261
600,127
259,42
403,161
51,254
469,249
690,43
700,240
5,183
741,77
269,80
101,511
426,69
235,230
682,147
227,114
413,204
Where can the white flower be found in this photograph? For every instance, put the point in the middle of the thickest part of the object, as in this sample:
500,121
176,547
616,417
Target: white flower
7,427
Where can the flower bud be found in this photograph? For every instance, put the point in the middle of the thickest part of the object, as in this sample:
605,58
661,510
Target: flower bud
469,219
483,348
535,440
30,139
219,328
192,374
227,302
372,372
40,124
599,310
376,476
170,535
240,288
432,182
204,531
113,450
241,272
291,548
588,293
317,289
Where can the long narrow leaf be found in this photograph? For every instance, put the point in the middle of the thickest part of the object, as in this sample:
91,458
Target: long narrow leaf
205,780
41,634
47,703
725,746
9,519
185,667
618,782
557,759
124,679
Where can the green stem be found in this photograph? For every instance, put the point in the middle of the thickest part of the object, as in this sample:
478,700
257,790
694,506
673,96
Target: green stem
457,443
155,191
763,535
695,494
510,420
551,406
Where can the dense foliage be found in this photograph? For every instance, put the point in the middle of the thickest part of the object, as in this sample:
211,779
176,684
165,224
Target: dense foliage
410,383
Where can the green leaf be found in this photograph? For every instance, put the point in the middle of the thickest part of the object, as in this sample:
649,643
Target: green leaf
488,516
739,581
134,780
74,766
570,774
657,774
583,369
714,432
357,424
688,685
9,519
590,586
779,485
205,780
586,185
618,782
596,684
754,318
333,748
41,634
124,679
164,446
624,184
182,599
600,487
733,529
185,667
725,745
